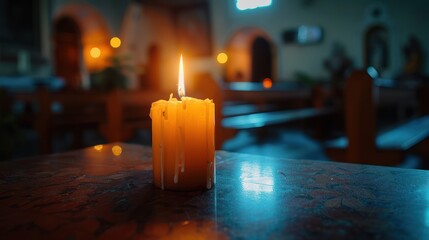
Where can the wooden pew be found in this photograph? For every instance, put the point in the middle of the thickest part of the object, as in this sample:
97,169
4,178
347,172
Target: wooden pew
76,111
272,118
118,114
279,96
128,111
115,115
241,106
363,143
272,107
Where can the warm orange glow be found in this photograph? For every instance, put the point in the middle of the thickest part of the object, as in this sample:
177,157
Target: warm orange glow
116,150
267,83
95,52
98,147
222,58
115,42
184,230
181,86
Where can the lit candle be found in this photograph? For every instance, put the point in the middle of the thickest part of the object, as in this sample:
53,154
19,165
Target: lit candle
183,141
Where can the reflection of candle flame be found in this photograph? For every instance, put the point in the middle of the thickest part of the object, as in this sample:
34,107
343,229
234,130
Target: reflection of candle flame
98,147
183,230
181,87
116,150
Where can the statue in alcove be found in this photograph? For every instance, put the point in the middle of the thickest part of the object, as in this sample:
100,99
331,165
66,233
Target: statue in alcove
377,49
338,64
414,62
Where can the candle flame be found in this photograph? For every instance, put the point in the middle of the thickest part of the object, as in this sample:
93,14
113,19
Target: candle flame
181,87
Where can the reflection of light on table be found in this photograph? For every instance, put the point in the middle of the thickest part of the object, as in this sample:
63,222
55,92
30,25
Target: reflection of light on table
256,178
98,147
116,150
182,230
427,207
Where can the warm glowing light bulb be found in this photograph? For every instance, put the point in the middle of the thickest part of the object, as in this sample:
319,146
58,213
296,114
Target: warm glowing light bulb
181,87
222,58
115,42
267,83
116,150
95,52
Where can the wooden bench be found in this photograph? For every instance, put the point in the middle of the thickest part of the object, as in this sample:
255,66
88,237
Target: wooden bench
244,105
67,111
264,119
362,143
275,106
115,115
230,110
128,111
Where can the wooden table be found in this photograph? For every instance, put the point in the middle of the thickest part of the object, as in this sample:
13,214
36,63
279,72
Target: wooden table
107,192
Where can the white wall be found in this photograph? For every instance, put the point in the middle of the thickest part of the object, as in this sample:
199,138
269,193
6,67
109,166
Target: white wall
343,21
112,10
144,26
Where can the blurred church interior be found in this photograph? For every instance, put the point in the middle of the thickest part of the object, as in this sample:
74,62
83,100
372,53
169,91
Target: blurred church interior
298,79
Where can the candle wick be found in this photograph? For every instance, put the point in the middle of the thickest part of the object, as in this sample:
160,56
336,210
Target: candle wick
181,92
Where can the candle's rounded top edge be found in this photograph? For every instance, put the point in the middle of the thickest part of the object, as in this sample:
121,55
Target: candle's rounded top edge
207,100
184,99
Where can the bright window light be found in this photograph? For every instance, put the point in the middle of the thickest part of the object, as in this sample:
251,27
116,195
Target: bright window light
252,4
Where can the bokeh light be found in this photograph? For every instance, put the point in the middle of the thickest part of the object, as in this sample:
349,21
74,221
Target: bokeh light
98,147
116,150
222,58
115,42
267,83
95,52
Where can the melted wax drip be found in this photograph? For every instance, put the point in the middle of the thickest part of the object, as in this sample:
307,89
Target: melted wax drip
180,156
161,145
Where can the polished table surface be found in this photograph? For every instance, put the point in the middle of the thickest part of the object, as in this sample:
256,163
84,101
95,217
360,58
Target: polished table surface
107,192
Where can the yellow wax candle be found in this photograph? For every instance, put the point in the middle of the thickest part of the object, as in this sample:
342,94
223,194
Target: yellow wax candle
183,142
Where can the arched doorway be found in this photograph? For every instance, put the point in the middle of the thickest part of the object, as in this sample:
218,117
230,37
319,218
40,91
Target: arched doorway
250,56
80,28
67,51
261,60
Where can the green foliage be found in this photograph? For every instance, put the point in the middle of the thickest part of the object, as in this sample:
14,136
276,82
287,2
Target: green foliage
305,79
112,77
108,79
